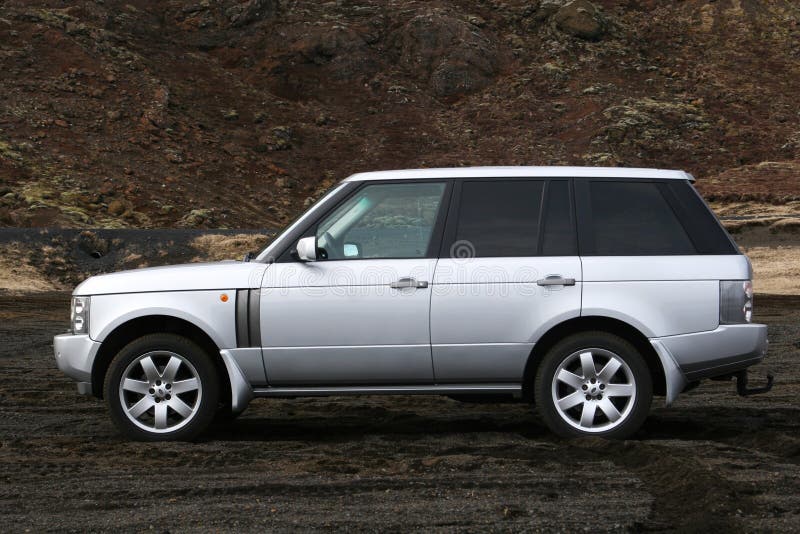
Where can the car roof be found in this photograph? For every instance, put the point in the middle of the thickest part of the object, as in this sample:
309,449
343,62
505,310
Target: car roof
526,172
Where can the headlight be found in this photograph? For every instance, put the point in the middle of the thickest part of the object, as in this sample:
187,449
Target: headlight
735,301
79,316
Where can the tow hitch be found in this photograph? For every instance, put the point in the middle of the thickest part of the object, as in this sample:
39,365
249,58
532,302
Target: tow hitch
744,391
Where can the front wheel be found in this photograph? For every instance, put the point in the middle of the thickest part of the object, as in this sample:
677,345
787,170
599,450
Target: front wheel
162,387
593,384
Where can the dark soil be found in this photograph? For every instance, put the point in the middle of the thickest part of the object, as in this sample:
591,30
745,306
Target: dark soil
712,461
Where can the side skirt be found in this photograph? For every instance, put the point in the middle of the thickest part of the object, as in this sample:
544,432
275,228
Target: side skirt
242,392
438,389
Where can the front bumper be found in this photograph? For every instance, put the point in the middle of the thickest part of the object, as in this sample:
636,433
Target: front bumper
75,357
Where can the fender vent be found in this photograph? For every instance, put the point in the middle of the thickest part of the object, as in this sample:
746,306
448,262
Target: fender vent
248,318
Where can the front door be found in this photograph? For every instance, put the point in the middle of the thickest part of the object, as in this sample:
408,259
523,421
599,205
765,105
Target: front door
360,313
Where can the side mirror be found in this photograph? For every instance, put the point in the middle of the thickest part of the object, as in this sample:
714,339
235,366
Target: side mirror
307,249
351,250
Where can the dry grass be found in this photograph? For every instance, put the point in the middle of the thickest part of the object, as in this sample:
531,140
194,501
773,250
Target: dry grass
17,274
214,247
756,209
779,218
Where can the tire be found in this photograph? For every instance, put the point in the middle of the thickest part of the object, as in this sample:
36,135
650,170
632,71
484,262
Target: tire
162,387
575,400
225,415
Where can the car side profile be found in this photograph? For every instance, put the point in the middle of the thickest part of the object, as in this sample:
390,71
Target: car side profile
584,291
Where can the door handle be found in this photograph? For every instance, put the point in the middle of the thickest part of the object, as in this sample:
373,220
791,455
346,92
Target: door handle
556,280
409,282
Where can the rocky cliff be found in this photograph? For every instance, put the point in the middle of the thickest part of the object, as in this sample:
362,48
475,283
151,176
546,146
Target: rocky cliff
234,113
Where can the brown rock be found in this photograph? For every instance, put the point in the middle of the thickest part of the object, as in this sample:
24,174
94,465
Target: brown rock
173,155
343,52
456,56
116,207
580,18
251,11
232,149
92,244
547,8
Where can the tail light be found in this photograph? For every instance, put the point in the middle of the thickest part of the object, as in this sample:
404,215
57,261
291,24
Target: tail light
735,301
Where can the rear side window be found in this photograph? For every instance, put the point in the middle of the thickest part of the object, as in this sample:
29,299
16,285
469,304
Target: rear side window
513,218
632,219
499,218
558,234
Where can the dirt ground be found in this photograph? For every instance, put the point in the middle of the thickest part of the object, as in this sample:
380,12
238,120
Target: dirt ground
713,460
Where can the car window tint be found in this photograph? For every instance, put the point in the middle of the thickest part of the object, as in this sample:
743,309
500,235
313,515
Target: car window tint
382,221
708,235
631,218
559,237
499,218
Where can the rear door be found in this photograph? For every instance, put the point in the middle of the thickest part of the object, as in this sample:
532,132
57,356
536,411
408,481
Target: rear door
643,262
508,271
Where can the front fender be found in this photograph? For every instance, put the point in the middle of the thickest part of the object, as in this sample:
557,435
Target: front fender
204,309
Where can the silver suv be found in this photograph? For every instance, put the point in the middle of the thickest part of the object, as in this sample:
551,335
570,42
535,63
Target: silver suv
583,290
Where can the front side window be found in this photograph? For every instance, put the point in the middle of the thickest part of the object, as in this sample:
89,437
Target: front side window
393,220
634,219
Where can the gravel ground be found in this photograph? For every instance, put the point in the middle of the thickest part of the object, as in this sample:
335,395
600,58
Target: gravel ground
712,461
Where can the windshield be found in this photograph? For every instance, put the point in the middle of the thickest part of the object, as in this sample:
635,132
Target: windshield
266,252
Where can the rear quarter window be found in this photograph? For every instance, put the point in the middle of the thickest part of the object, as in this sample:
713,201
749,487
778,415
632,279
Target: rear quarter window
707,233
630,218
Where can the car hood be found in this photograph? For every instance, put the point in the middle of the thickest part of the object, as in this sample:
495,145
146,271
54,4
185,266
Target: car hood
188,277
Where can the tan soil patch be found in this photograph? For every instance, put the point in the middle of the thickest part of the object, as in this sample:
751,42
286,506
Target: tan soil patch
774,251
776,270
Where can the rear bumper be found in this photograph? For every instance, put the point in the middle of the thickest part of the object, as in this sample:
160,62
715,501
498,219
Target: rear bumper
727,349
75,357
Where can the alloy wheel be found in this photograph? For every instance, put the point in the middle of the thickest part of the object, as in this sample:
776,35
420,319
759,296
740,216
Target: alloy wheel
594,390
160,391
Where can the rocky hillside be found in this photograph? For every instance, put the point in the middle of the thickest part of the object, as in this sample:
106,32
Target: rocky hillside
230,113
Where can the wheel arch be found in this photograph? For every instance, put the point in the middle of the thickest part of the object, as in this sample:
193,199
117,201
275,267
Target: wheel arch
152,324
594,323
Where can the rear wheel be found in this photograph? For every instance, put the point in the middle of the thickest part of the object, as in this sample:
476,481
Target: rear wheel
593,384
162,387
225,415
